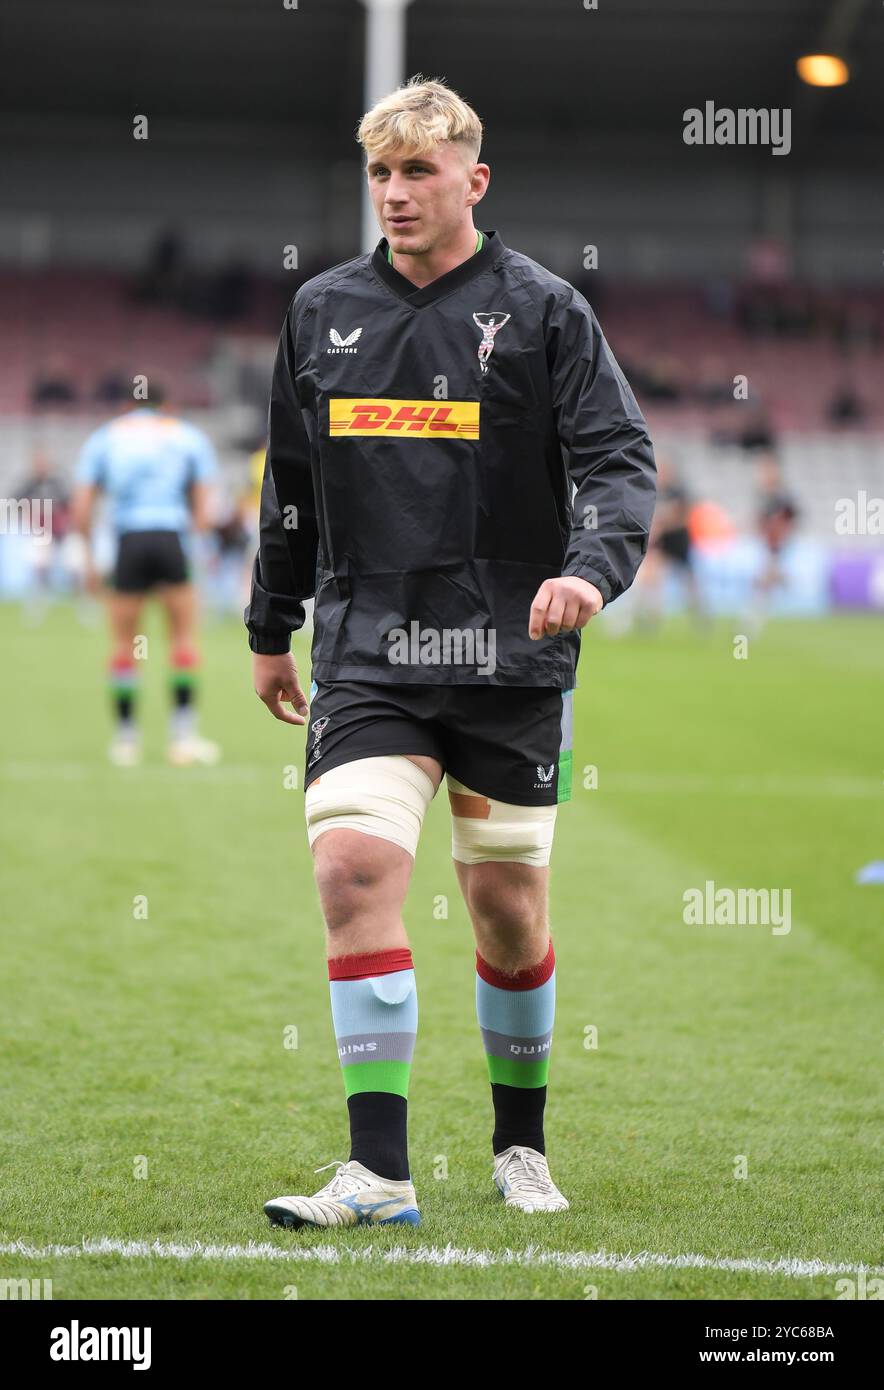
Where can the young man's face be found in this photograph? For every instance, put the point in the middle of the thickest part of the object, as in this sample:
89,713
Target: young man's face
422,201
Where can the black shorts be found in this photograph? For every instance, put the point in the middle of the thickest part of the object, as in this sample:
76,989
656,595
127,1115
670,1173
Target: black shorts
147,558
511,743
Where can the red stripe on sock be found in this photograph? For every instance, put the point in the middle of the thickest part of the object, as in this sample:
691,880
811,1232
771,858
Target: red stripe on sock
530,978
122,666
184,658
360,967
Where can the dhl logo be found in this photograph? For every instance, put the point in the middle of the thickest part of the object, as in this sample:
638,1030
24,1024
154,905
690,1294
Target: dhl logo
407,419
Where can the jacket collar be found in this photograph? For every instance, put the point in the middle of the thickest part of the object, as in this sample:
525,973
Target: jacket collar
492,249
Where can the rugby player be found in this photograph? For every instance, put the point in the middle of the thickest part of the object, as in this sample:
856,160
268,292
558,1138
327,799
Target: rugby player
776,520
156,471
669,550
431,403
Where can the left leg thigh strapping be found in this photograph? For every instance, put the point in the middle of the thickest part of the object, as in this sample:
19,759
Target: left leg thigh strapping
484,829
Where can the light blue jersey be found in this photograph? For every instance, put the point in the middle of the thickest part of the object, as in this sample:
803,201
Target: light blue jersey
145,462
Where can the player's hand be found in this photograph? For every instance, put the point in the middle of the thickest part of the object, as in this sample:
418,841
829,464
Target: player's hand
277,684
563,605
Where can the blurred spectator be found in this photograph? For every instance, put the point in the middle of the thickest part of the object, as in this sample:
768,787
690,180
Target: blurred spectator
113,389
659,379
48,522
232,543
44,485
747,426
669,550
161,279
757,433
54,384
230,293
846,406
714,386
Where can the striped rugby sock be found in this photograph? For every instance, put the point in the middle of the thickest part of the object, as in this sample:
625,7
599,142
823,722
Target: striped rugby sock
374,1011
516,1014
122,678
183,676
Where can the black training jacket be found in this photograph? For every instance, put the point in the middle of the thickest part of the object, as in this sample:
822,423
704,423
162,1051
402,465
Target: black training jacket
422,444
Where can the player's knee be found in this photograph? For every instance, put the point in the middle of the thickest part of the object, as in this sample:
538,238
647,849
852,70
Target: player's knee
510,905
348,878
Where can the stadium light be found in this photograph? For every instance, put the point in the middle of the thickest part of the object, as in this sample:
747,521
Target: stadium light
823,70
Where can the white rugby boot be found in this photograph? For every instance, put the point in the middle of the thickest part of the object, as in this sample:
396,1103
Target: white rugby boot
193,750
521,1176
355,1196
125,750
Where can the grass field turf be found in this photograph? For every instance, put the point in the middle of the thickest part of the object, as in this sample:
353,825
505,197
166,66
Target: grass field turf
164,1038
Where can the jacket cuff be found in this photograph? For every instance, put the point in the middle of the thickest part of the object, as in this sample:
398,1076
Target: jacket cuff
270,644
578,571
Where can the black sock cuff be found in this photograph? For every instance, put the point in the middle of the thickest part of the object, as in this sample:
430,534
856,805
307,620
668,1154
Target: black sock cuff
379,1133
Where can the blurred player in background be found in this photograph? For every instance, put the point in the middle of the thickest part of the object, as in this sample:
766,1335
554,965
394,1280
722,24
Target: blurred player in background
669,550
252,509
155,470
777,515
47,494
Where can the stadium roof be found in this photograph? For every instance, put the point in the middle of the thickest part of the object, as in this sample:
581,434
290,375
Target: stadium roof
551,67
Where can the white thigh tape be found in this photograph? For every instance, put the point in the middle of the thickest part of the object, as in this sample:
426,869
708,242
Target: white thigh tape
386,796
483,829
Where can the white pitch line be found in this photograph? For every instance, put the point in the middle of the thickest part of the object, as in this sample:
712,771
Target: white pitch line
532,1257
630,783
72,772
744,784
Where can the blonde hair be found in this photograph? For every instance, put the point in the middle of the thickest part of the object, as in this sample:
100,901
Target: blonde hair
417,117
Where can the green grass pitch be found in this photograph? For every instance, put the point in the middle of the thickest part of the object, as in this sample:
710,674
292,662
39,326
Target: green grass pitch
149,1096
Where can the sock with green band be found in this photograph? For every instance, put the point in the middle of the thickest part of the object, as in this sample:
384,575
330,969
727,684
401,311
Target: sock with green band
183,675
374,1011
122,678
516,1014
